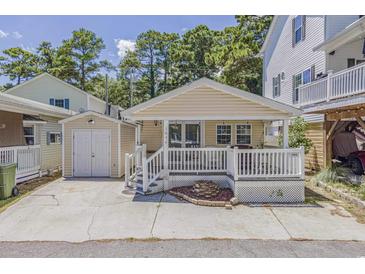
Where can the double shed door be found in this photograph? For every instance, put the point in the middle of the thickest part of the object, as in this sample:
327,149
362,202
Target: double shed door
91,153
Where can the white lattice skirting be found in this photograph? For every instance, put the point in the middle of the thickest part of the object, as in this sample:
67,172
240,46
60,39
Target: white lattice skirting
254,191
271,191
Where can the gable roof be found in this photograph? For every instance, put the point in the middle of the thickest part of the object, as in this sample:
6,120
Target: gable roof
269,33
45,74
205,82
14,103
97,114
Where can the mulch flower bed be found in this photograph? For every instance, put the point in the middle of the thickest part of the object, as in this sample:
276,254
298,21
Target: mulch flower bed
205,193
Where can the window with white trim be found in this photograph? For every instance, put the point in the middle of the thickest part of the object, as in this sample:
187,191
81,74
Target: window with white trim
298,28
54,138
243,134
224,134
276,86
29,135
59,103
300,79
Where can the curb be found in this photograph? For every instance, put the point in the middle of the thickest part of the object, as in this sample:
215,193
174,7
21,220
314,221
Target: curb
353,200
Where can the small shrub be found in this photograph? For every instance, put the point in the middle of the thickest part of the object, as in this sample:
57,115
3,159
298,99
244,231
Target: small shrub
333,174
297,137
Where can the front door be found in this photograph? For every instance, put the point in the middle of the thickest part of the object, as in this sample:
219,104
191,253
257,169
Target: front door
91,153
184,134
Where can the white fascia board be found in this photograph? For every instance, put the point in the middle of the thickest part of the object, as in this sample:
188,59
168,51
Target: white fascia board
218,86
212,118
354,31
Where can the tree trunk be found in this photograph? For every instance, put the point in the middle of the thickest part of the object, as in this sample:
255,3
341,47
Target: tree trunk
152,77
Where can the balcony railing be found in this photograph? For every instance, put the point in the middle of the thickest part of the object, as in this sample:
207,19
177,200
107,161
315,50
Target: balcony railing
344,83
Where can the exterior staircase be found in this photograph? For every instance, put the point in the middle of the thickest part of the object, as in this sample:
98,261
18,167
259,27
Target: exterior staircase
152,188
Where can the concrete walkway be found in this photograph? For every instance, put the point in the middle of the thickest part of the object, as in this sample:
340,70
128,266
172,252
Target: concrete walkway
81,210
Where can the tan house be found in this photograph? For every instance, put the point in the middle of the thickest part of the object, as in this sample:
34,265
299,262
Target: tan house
207,130
30,136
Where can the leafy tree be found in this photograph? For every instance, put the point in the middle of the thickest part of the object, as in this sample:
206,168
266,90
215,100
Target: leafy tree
148,52
56,61
191,53
236,52
297,137
165,60
84,47
130,69
18,64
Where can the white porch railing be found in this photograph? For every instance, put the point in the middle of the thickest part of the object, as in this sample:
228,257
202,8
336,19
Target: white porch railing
132,162
153,167
238,163
27,159
278,163
197,159
344,83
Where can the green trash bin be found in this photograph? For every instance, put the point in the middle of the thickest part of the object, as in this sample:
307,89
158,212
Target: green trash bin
7,180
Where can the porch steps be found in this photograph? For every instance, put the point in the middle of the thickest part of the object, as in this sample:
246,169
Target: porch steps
156,186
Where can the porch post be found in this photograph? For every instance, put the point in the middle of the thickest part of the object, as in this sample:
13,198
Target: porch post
165,145
285,133
138,133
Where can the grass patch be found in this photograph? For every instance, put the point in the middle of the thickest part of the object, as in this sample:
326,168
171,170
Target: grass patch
339,177
26,188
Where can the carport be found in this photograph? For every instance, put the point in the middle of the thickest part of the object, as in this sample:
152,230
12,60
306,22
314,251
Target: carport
338,116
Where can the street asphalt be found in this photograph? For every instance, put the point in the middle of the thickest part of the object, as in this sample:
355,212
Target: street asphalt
185,248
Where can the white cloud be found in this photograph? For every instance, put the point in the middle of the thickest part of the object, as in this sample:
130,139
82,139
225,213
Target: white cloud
184,29
28,48
124,45
3,34
16,35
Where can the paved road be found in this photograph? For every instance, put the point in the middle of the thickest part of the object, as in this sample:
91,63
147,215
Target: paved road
185,248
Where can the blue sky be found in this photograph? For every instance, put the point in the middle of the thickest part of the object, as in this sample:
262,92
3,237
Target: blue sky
118,32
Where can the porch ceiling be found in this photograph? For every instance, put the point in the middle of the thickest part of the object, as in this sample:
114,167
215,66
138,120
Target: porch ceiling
206,99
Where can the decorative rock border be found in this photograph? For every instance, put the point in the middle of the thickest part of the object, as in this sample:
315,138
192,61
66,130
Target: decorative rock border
354,200
227,205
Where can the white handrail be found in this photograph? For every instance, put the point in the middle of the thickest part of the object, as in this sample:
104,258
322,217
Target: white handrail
132,162
154,166
343,83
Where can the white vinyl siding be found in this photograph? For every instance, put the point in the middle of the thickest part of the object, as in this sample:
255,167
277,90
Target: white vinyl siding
51,154
282,58
338,61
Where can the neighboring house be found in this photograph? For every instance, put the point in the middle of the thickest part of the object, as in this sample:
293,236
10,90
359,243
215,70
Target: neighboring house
43,131
48,89
298,55
30,136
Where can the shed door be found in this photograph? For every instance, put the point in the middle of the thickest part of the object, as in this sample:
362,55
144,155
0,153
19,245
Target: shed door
91,153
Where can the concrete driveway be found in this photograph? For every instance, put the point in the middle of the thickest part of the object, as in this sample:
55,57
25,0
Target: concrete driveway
80,210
